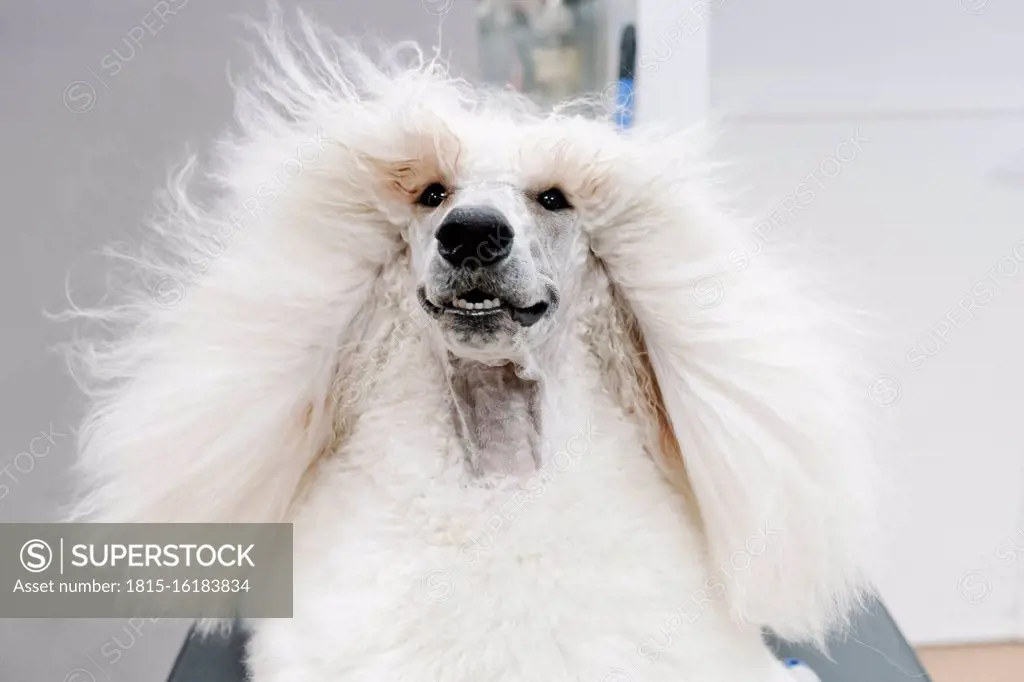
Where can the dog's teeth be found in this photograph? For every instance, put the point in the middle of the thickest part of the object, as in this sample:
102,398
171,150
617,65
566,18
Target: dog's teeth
486,304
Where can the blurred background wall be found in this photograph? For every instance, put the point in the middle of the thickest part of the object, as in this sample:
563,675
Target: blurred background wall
922,220
887,137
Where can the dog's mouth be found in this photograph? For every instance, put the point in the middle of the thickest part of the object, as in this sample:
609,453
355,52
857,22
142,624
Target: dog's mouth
477,303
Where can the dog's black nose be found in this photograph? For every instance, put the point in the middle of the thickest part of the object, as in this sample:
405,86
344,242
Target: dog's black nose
474,236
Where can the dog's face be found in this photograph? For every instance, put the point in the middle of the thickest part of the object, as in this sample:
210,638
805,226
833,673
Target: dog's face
493,249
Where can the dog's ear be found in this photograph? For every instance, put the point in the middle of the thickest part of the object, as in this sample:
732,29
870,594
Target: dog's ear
754,386
219,389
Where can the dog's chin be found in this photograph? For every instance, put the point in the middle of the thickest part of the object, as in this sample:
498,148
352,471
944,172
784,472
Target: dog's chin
481,325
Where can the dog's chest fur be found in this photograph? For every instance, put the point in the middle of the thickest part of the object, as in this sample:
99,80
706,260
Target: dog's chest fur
412,565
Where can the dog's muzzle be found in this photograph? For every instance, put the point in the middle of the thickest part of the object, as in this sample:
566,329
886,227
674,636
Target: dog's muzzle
475,241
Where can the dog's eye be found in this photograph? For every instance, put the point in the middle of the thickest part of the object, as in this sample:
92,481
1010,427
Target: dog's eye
433,196
553,200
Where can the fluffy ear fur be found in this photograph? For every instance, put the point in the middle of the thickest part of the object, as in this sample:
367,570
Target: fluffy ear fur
215,385
755,378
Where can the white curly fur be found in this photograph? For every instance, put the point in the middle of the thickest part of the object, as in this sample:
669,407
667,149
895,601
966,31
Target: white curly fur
273,364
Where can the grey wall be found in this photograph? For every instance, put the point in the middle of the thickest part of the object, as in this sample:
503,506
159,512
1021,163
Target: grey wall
85,145
922,222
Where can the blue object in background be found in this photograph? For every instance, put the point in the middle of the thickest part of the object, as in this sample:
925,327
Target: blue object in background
626,91
801,671
624,103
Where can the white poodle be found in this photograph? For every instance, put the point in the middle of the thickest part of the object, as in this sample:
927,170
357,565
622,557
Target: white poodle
487,363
